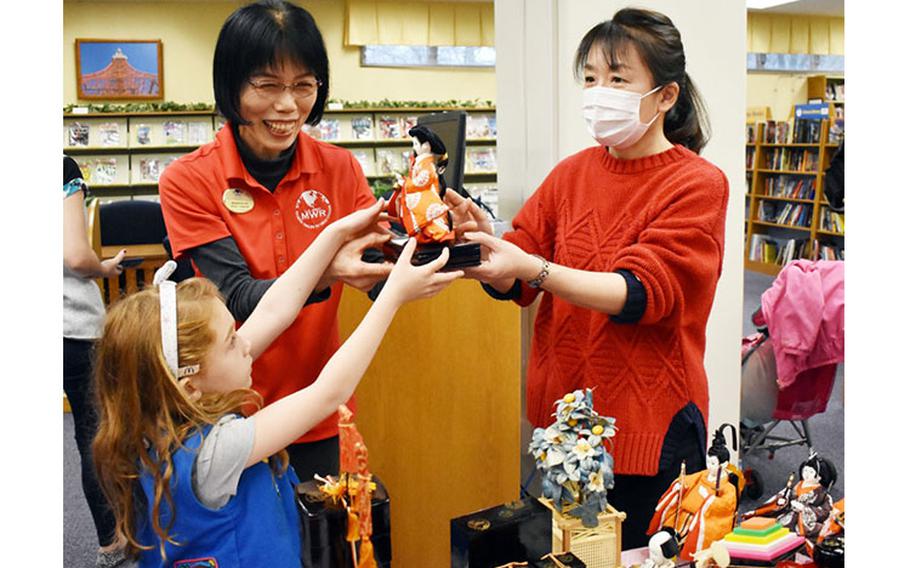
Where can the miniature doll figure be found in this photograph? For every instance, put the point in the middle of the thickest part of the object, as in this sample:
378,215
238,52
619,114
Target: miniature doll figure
700,507
805,507
716,556
417,201
662,550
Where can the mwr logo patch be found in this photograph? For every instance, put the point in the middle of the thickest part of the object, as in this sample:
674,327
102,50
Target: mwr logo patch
197,563
313,208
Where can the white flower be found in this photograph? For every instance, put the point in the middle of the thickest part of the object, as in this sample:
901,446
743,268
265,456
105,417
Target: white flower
555,457
595,482
583,449
552,435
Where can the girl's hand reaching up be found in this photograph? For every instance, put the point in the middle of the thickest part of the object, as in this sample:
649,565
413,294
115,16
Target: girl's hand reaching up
361,221
408,282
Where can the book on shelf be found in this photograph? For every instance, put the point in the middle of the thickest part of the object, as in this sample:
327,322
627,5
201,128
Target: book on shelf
777,132
807,131
390,128
104,170
367,160
792,159
174,132
750,158
480,126
481,159
77,134
143,134
109,134
328,129
790,187
831,221
151,168
391,160
362,127
751,132
782,213
199,133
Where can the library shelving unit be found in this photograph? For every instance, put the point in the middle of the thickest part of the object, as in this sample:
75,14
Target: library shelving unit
122,154
786,202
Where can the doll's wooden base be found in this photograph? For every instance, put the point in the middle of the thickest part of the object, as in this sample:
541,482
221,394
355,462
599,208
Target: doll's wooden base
461,255
597,547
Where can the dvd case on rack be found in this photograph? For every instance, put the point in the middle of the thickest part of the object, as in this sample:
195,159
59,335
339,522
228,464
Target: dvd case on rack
362,127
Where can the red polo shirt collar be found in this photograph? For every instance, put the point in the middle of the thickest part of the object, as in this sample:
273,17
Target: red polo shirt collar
307,159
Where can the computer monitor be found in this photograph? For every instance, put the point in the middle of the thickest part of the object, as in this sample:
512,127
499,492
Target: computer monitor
450,127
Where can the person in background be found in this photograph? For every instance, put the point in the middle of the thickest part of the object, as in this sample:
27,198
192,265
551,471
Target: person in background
246,205
83,316
625,240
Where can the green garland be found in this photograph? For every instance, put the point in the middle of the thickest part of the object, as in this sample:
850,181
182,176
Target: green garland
387,104
170,106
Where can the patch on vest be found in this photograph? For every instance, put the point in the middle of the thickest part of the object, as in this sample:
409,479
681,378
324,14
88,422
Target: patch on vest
313,208
197,563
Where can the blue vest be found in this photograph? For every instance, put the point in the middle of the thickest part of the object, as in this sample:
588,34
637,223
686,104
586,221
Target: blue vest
259,526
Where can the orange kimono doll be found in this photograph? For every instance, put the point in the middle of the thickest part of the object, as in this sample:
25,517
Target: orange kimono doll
417,200
700,507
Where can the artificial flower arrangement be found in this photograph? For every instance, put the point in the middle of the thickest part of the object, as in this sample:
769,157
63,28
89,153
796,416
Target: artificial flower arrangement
573,457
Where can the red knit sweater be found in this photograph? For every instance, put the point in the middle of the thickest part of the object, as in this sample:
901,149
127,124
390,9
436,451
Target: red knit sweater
662,218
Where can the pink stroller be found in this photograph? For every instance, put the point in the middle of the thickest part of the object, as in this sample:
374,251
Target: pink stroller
789,365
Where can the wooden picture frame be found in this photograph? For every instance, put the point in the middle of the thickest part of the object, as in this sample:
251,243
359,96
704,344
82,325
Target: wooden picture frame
119,69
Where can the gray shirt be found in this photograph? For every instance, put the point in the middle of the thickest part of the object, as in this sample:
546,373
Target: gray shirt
83,310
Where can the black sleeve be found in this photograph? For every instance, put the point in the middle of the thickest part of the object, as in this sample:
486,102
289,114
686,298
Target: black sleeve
221,262
636,300
71,170
512,293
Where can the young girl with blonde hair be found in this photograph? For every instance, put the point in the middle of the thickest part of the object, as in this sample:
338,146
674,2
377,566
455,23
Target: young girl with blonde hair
195,474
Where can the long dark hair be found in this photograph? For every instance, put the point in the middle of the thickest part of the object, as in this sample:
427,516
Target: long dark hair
658,42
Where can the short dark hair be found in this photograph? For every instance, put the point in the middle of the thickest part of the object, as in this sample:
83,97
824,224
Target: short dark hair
660,46
261,35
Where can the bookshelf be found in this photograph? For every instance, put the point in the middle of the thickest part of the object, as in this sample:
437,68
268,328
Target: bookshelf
787,215
123,154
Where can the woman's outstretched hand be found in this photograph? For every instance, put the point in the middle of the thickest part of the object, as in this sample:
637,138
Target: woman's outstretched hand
504,262
466,215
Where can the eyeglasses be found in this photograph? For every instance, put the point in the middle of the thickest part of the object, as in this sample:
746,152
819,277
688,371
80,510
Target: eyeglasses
271,89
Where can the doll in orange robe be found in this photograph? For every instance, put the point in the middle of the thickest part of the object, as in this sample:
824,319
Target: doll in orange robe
417,202
805,507
355,475
700,507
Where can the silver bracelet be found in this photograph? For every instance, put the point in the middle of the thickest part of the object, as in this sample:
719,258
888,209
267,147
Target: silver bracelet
542,275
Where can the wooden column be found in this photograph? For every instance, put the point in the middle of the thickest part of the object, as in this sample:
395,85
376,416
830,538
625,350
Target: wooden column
439,410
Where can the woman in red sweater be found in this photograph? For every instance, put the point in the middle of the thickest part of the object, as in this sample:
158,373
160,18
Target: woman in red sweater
626,239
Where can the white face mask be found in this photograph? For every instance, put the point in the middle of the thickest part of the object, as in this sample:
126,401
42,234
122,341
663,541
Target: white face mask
612,116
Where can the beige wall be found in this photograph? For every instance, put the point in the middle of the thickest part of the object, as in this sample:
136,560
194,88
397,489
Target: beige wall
780,91
189,31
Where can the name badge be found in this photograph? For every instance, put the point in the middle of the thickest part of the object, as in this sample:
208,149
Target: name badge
237,200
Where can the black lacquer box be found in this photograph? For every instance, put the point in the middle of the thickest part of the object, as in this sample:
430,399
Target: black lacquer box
461,255
325,526
519,531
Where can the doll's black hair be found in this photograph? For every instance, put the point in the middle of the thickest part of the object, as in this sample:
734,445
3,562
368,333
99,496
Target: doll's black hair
825,468
669,548
657,40
424,134
719,444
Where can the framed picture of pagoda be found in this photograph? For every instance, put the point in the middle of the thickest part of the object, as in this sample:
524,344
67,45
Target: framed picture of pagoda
117,69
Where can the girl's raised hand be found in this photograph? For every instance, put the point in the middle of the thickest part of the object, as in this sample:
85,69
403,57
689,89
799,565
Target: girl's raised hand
363,220
408,282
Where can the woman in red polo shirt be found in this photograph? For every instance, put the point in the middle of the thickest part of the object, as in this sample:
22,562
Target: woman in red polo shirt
626,239
246,205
